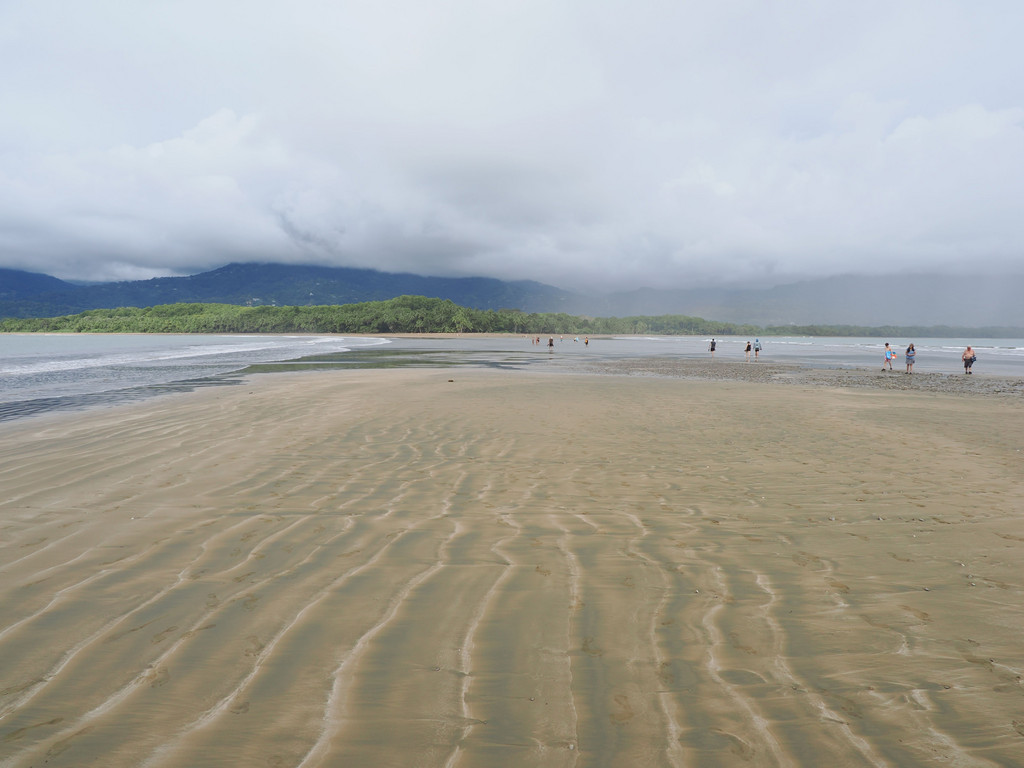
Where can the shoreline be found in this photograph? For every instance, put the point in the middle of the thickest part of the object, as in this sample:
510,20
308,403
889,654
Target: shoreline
671,366
804,375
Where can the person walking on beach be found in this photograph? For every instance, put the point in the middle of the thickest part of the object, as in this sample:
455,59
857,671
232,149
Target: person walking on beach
889,354
746,352
757,348
911,353
968,357
712,348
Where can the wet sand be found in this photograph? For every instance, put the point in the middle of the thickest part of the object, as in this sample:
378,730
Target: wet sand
368,568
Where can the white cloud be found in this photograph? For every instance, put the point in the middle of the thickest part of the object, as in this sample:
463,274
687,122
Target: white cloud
599,145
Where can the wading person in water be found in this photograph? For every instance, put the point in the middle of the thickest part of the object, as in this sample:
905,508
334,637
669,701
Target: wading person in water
746,352
712,347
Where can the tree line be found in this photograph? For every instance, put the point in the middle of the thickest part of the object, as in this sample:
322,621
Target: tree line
405,314
419,314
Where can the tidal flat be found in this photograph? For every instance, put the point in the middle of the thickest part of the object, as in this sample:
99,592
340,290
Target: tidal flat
474,567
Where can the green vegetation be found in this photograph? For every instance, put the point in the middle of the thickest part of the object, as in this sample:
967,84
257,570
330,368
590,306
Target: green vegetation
417,314
405,314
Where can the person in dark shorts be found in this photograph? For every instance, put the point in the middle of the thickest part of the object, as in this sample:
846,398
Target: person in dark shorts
968,357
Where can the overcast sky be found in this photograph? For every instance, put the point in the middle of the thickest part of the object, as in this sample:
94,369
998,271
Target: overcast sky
589,144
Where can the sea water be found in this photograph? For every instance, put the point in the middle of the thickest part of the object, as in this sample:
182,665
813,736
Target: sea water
44,372
999,357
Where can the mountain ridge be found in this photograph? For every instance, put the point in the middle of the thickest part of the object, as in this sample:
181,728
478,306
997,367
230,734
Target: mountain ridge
854,300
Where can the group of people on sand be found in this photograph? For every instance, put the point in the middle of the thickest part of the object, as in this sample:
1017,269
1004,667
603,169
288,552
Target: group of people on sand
968,357
890,355
535,340
746,352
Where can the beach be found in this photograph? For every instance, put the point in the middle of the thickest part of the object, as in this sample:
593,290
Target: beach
473,567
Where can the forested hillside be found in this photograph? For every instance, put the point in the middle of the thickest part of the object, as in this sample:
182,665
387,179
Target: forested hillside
406,314
277,285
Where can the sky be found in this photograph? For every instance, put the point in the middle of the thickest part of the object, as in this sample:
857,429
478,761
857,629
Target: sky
588,144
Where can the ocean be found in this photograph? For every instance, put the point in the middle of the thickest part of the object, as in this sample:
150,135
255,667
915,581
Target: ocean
46,372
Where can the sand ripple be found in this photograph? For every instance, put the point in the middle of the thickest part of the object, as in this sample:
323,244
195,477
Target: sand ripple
507,569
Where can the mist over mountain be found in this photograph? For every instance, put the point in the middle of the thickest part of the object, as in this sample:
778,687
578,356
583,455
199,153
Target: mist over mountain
907,300
846,300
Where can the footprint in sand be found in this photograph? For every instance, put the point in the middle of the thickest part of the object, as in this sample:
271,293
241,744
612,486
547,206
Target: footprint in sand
917,614
253,646
159,637
193,632
590,648
734,641
844,704
158,677
804,559
119,635
63,745
624,711
838,586
970,658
